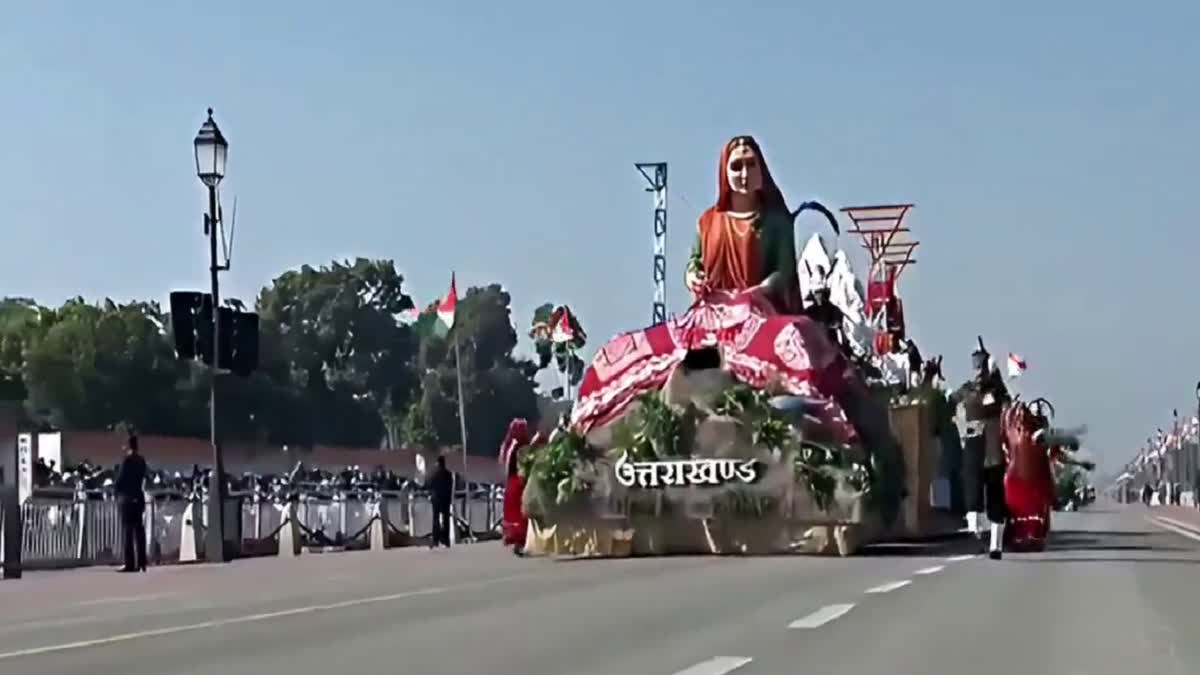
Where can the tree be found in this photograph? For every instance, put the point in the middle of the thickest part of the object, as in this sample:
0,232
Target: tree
93,366
416,427
496,385
340,364
342,343
18,328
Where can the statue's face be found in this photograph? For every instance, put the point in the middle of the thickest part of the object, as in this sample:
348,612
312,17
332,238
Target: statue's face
743,171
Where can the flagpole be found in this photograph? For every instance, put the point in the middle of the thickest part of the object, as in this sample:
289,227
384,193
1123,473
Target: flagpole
462,430
570,362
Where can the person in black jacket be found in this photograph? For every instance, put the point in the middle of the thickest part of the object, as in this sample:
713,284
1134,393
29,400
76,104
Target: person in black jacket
441,494
823,311
131,497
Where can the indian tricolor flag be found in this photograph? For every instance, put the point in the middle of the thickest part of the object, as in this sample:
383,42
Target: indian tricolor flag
562,329
446,309
1016,365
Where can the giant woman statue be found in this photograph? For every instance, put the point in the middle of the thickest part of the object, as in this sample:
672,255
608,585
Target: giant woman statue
747,311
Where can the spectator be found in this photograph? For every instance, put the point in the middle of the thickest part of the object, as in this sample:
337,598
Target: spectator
130,489
441,494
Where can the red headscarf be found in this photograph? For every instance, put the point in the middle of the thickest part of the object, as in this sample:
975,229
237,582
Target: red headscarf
770,198
516,438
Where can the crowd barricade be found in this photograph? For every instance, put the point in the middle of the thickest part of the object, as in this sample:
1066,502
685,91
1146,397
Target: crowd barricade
64,528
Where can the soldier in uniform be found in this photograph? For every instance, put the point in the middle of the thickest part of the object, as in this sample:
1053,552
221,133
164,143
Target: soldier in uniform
983,398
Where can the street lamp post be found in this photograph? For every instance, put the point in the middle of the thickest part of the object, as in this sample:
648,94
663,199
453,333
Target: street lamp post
212,151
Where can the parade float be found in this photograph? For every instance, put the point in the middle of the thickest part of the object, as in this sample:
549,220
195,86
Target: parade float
740,426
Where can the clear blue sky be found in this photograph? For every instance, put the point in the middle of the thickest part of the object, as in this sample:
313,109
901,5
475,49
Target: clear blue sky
1051,149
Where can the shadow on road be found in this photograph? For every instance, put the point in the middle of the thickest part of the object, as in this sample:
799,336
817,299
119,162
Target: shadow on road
1094,540
1096,545
958,544
1093,534
1073,561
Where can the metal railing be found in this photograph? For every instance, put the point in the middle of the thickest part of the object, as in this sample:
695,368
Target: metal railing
85,528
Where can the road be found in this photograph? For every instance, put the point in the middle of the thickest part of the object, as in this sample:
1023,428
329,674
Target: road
1115,594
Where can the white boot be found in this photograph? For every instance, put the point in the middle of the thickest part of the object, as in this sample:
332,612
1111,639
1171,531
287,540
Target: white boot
996,551
973,522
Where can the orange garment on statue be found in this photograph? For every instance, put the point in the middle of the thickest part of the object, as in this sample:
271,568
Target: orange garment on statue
735,262
731,251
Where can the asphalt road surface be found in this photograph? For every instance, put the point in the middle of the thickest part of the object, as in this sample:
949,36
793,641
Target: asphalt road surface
1115,594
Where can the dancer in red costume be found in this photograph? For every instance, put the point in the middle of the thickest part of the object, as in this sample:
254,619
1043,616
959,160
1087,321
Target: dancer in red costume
1033,448
515,523
1029,480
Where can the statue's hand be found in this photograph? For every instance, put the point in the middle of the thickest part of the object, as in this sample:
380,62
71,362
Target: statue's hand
697,282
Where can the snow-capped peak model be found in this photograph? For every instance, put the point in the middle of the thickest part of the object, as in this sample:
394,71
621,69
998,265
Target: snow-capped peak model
814,266
846,288
818,270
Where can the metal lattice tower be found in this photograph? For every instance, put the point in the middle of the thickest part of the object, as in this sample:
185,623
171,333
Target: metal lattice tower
655,174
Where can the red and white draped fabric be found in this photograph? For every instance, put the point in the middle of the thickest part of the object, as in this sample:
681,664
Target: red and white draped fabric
881,289
757,344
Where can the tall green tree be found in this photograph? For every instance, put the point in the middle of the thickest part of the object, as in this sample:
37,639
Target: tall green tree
341,338
96,365
340,363
497,386
19,328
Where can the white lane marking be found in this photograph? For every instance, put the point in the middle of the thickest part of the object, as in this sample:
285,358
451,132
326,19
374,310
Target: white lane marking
25,626
716,666
960,558
889,586
930,570
252,618
822,616
1179,523
125,598
1174,526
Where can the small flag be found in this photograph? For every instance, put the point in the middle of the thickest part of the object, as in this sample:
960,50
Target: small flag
408,317
446,308
1016,365
562,328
